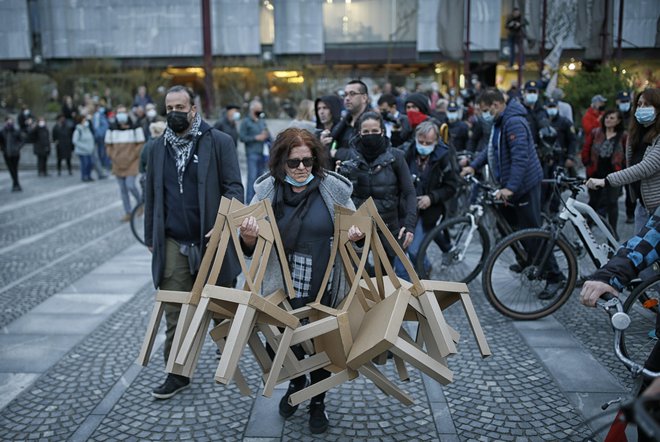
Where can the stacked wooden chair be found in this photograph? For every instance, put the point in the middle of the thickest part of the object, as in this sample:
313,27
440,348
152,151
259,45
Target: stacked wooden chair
349,339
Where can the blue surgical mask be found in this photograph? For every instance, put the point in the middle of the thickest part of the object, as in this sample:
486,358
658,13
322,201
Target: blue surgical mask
552,111
122,117
423,150
645,115
237,116
487,116
453,116
295,183
625,106
531,98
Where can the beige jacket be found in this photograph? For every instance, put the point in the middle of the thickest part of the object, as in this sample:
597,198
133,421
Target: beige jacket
123,148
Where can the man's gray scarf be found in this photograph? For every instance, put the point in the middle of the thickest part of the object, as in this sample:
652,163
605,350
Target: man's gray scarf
182,146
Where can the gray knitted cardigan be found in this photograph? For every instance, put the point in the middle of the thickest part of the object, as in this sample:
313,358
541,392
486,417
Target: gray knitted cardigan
646,171
335,189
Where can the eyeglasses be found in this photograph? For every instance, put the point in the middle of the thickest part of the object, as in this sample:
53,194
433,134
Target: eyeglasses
294,163
353,93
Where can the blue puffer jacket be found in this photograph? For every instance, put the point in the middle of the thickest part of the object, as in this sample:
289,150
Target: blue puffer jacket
520,169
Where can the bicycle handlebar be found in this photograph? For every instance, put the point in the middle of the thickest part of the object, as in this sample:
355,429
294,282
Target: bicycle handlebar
620,321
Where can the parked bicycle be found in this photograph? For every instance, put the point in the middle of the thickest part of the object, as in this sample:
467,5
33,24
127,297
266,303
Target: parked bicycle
456,248
137,215
517,270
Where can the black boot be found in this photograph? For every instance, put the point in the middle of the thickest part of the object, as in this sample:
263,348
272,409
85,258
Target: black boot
172,385
297,384
318,420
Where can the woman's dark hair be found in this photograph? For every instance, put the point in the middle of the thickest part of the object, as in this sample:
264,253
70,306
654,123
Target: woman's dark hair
652,96
619,128
369,116
287,140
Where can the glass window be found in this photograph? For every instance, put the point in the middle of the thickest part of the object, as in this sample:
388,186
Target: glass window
369,21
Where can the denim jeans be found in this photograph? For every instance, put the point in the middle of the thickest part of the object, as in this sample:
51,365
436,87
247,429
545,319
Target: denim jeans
412,251
86,165
128,184
255,167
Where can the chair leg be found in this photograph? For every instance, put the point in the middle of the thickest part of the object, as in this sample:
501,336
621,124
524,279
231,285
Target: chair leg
283,347
241,383
381,381
191,331
320,387
151,333
422,361
239,332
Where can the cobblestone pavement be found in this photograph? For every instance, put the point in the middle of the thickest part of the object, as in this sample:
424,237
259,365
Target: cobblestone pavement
58,230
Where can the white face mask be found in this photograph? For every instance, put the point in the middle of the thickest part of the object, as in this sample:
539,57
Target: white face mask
531,98
151,113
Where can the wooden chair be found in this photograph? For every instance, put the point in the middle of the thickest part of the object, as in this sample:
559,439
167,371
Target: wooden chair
244,308
187,301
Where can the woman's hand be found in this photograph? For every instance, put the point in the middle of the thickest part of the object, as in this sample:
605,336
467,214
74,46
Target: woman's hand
354,234
249,231
595,183
407,237
423,202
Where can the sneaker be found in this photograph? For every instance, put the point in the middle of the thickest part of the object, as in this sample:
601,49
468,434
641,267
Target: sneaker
286,409
172,385
318,420
552,289
16,188
516,268
126,218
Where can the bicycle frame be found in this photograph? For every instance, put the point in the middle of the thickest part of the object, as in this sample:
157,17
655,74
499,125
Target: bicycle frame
574,212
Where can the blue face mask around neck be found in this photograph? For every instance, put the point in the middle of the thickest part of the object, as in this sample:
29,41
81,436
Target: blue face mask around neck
295,183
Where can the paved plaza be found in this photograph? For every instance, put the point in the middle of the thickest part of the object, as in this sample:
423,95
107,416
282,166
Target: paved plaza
76,295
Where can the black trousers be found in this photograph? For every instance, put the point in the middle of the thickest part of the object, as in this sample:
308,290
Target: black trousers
12,166
42,161
605,201
68,163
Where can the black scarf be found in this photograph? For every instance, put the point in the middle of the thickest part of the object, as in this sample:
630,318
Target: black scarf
289,226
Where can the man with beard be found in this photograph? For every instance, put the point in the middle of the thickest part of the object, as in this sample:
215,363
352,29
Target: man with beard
191,167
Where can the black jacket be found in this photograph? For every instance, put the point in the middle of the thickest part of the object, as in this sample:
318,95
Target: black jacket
40,137
218,175
439,181
387,180
11,141
459,132
565,137
228,127
62,137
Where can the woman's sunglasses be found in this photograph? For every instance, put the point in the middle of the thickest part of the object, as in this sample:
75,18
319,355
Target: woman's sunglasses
294,163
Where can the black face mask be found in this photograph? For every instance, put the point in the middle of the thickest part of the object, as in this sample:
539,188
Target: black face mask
178,121
372,146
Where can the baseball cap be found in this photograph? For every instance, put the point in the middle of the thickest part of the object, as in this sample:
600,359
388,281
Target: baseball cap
597,98
452,106
532,85
623,96
551,102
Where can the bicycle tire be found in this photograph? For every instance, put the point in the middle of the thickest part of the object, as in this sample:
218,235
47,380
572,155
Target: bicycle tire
451,266
642,306
520,301
137,223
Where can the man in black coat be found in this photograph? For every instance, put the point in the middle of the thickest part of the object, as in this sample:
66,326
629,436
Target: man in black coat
191,167
229,122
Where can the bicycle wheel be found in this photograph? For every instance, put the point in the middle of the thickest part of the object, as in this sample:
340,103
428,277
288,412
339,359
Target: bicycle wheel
453,251
642,306
515,275
137,222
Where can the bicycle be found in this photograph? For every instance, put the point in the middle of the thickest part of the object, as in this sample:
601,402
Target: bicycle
137,215
137,223
456,248
640,410
523,265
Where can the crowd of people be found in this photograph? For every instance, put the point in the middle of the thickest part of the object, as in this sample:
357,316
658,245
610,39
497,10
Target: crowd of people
396,147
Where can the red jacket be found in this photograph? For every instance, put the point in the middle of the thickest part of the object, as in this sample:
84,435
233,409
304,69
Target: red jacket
590,121
590,151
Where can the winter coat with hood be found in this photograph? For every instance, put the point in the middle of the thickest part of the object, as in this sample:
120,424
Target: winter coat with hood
387,180
335,105
515,156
